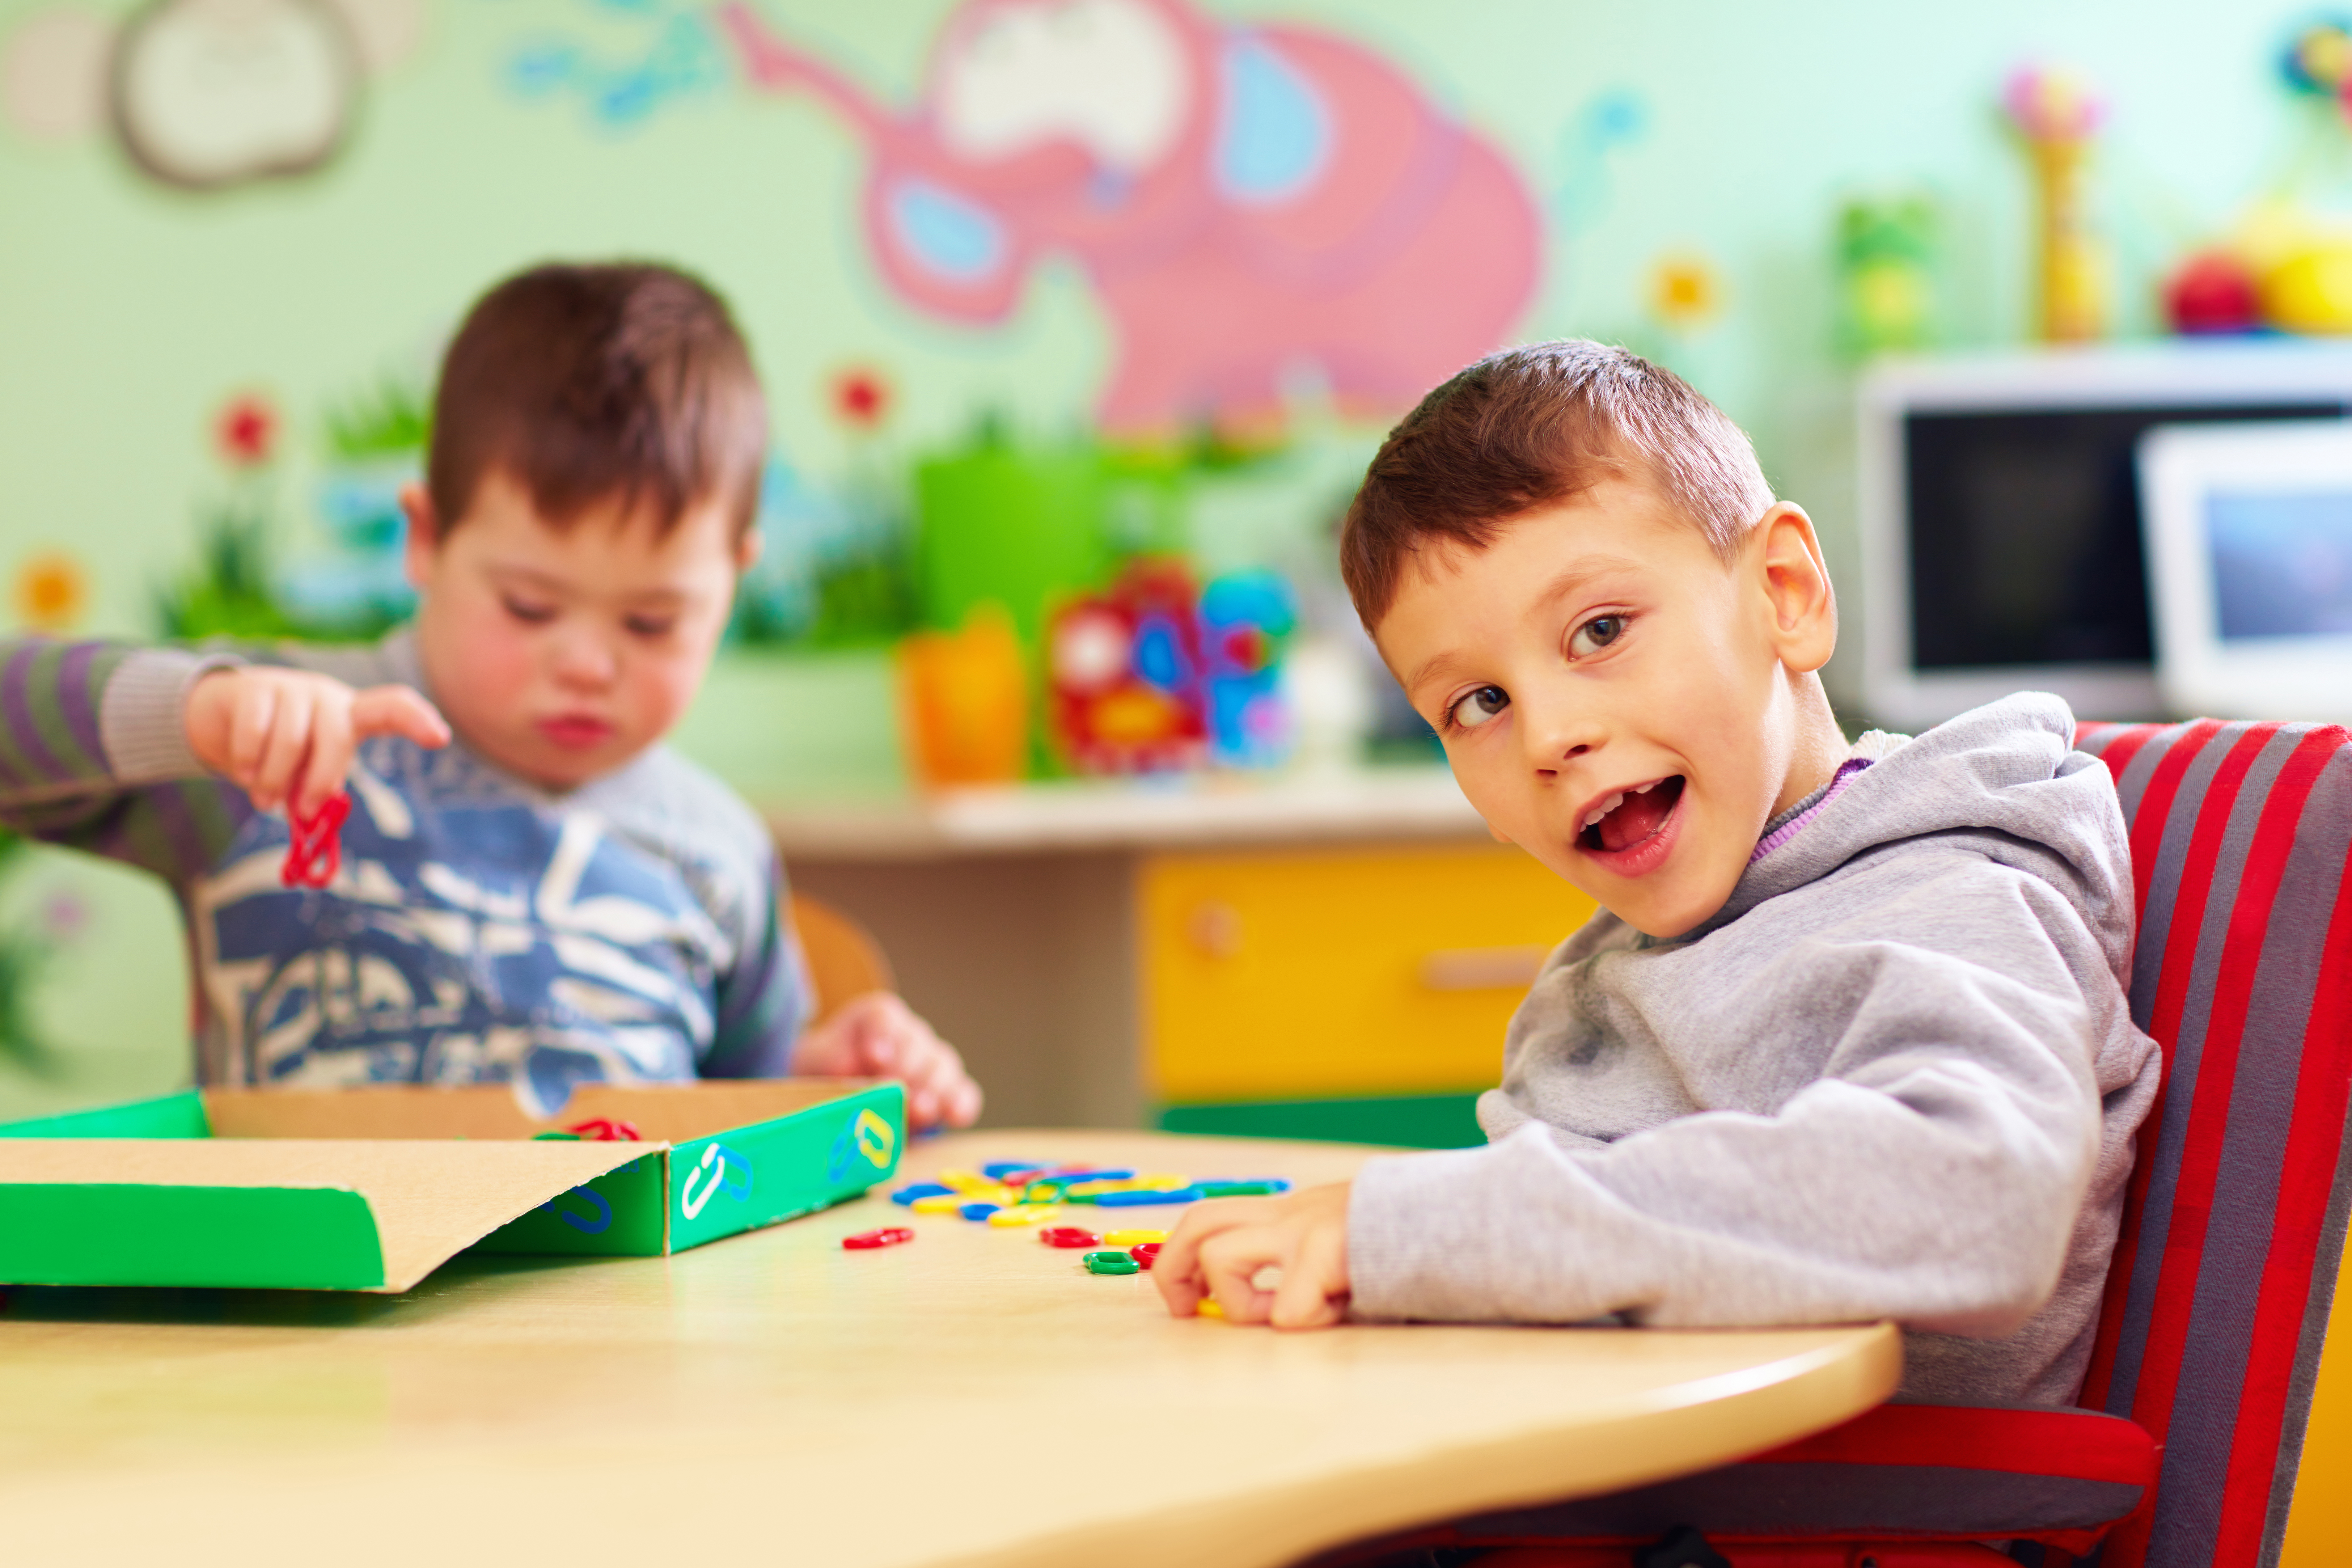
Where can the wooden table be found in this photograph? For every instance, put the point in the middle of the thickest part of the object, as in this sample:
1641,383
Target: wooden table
972,1397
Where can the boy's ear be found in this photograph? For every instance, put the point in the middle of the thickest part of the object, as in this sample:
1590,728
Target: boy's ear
422,546
747,551
1797,585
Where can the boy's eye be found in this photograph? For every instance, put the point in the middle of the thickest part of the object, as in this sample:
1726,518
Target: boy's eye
1480,706
529,610
1595,635
650,625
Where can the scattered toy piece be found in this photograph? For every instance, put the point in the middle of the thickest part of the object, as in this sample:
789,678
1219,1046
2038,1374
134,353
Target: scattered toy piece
1146,1197
314,847
1068,1236
1208,1309
939,1202
1111,1263
1005,1219
885,1235
1132,1237
979,1211
1145,1254
966,1180
905,1196
1258,1187
1004,1170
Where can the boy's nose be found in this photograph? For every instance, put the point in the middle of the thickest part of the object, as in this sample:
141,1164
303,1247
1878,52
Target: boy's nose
586,661
1554,738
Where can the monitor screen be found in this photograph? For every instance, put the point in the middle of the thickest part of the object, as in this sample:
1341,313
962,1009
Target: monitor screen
2282,562
2024,530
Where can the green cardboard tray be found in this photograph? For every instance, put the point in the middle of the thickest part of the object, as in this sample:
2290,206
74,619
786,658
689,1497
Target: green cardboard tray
372,1189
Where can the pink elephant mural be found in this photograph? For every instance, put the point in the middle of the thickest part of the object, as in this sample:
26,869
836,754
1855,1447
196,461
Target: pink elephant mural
1247,201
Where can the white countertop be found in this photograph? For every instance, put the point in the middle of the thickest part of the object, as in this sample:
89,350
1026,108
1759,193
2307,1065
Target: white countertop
1170,812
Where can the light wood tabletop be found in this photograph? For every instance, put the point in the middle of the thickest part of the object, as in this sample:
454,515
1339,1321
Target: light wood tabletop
972,1397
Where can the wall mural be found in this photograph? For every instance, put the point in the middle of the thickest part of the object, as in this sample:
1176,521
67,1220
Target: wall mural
1246,202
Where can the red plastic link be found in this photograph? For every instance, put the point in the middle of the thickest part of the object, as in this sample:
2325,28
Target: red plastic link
314,851
608,1130
887,1236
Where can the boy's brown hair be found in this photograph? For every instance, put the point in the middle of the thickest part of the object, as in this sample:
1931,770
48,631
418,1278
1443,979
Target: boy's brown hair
1532,427
622,382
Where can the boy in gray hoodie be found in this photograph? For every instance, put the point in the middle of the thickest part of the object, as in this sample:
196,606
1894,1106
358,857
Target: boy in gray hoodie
1849,1039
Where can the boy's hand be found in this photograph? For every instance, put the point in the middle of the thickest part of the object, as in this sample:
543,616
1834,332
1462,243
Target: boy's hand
1219,1248
878,1036
286,736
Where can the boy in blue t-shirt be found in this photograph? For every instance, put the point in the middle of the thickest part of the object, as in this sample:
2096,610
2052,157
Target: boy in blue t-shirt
532,887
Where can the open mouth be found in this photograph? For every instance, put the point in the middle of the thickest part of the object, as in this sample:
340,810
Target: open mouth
1630,817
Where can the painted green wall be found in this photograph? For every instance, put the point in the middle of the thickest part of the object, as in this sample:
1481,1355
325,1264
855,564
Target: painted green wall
127,311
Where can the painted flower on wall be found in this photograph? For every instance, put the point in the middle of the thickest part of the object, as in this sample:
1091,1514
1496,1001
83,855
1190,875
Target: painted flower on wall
1685,292
861,397
52,592
244,431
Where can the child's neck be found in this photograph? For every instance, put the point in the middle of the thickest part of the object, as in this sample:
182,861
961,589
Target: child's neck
1819,746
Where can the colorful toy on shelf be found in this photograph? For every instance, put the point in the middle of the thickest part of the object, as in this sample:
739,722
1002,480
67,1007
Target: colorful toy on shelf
963,699
2058,115
1886,267
2318,62
1246,619
2213,291
1125,672
1152,676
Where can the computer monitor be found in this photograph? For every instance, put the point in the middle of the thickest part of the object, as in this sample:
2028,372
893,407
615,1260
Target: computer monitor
2249,539
1999,510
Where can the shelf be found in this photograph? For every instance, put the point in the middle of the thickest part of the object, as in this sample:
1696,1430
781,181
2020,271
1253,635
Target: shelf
1183,811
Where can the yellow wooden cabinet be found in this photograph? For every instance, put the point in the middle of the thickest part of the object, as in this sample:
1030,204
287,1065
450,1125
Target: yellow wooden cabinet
1340,973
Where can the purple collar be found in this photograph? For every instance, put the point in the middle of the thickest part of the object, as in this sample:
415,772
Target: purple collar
1796,824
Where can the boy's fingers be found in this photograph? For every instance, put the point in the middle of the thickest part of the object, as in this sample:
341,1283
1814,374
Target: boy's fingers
1314,1282
248,730
1230,1261
289,738
1179,1287
398,711
1179,1261
329,761
964,1102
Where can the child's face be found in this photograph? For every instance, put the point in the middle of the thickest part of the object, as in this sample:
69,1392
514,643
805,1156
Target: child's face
1612,699
560,654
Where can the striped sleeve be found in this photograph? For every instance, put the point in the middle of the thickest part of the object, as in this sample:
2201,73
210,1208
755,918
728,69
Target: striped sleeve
94,755
763,1002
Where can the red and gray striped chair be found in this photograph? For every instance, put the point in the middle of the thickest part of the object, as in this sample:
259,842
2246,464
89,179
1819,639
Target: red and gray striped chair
2186,1451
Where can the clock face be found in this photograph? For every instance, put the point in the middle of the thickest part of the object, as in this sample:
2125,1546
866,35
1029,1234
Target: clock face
210,92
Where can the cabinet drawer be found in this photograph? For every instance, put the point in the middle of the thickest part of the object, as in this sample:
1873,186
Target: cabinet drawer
1306,973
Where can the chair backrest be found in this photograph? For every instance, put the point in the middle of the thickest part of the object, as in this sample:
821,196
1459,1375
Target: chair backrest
844,958
2217,1304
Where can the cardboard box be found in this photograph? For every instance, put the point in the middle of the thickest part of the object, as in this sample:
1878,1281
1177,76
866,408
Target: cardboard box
372,1189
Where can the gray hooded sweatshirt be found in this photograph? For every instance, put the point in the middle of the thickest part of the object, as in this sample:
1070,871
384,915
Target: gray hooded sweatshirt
1894,1077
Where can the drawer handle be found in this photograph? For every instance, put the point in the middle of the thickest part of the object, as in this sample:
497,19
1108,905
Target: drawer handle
1482,968
1215,930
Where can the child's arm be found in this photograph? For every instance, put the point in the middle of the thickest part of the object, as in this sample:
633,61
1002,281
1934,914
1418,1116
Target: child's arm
1935,1174
1934,1171
101,747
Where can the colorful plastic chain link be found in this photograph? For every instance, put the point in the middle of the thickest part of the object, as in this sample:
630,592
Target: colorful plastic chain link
315,850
